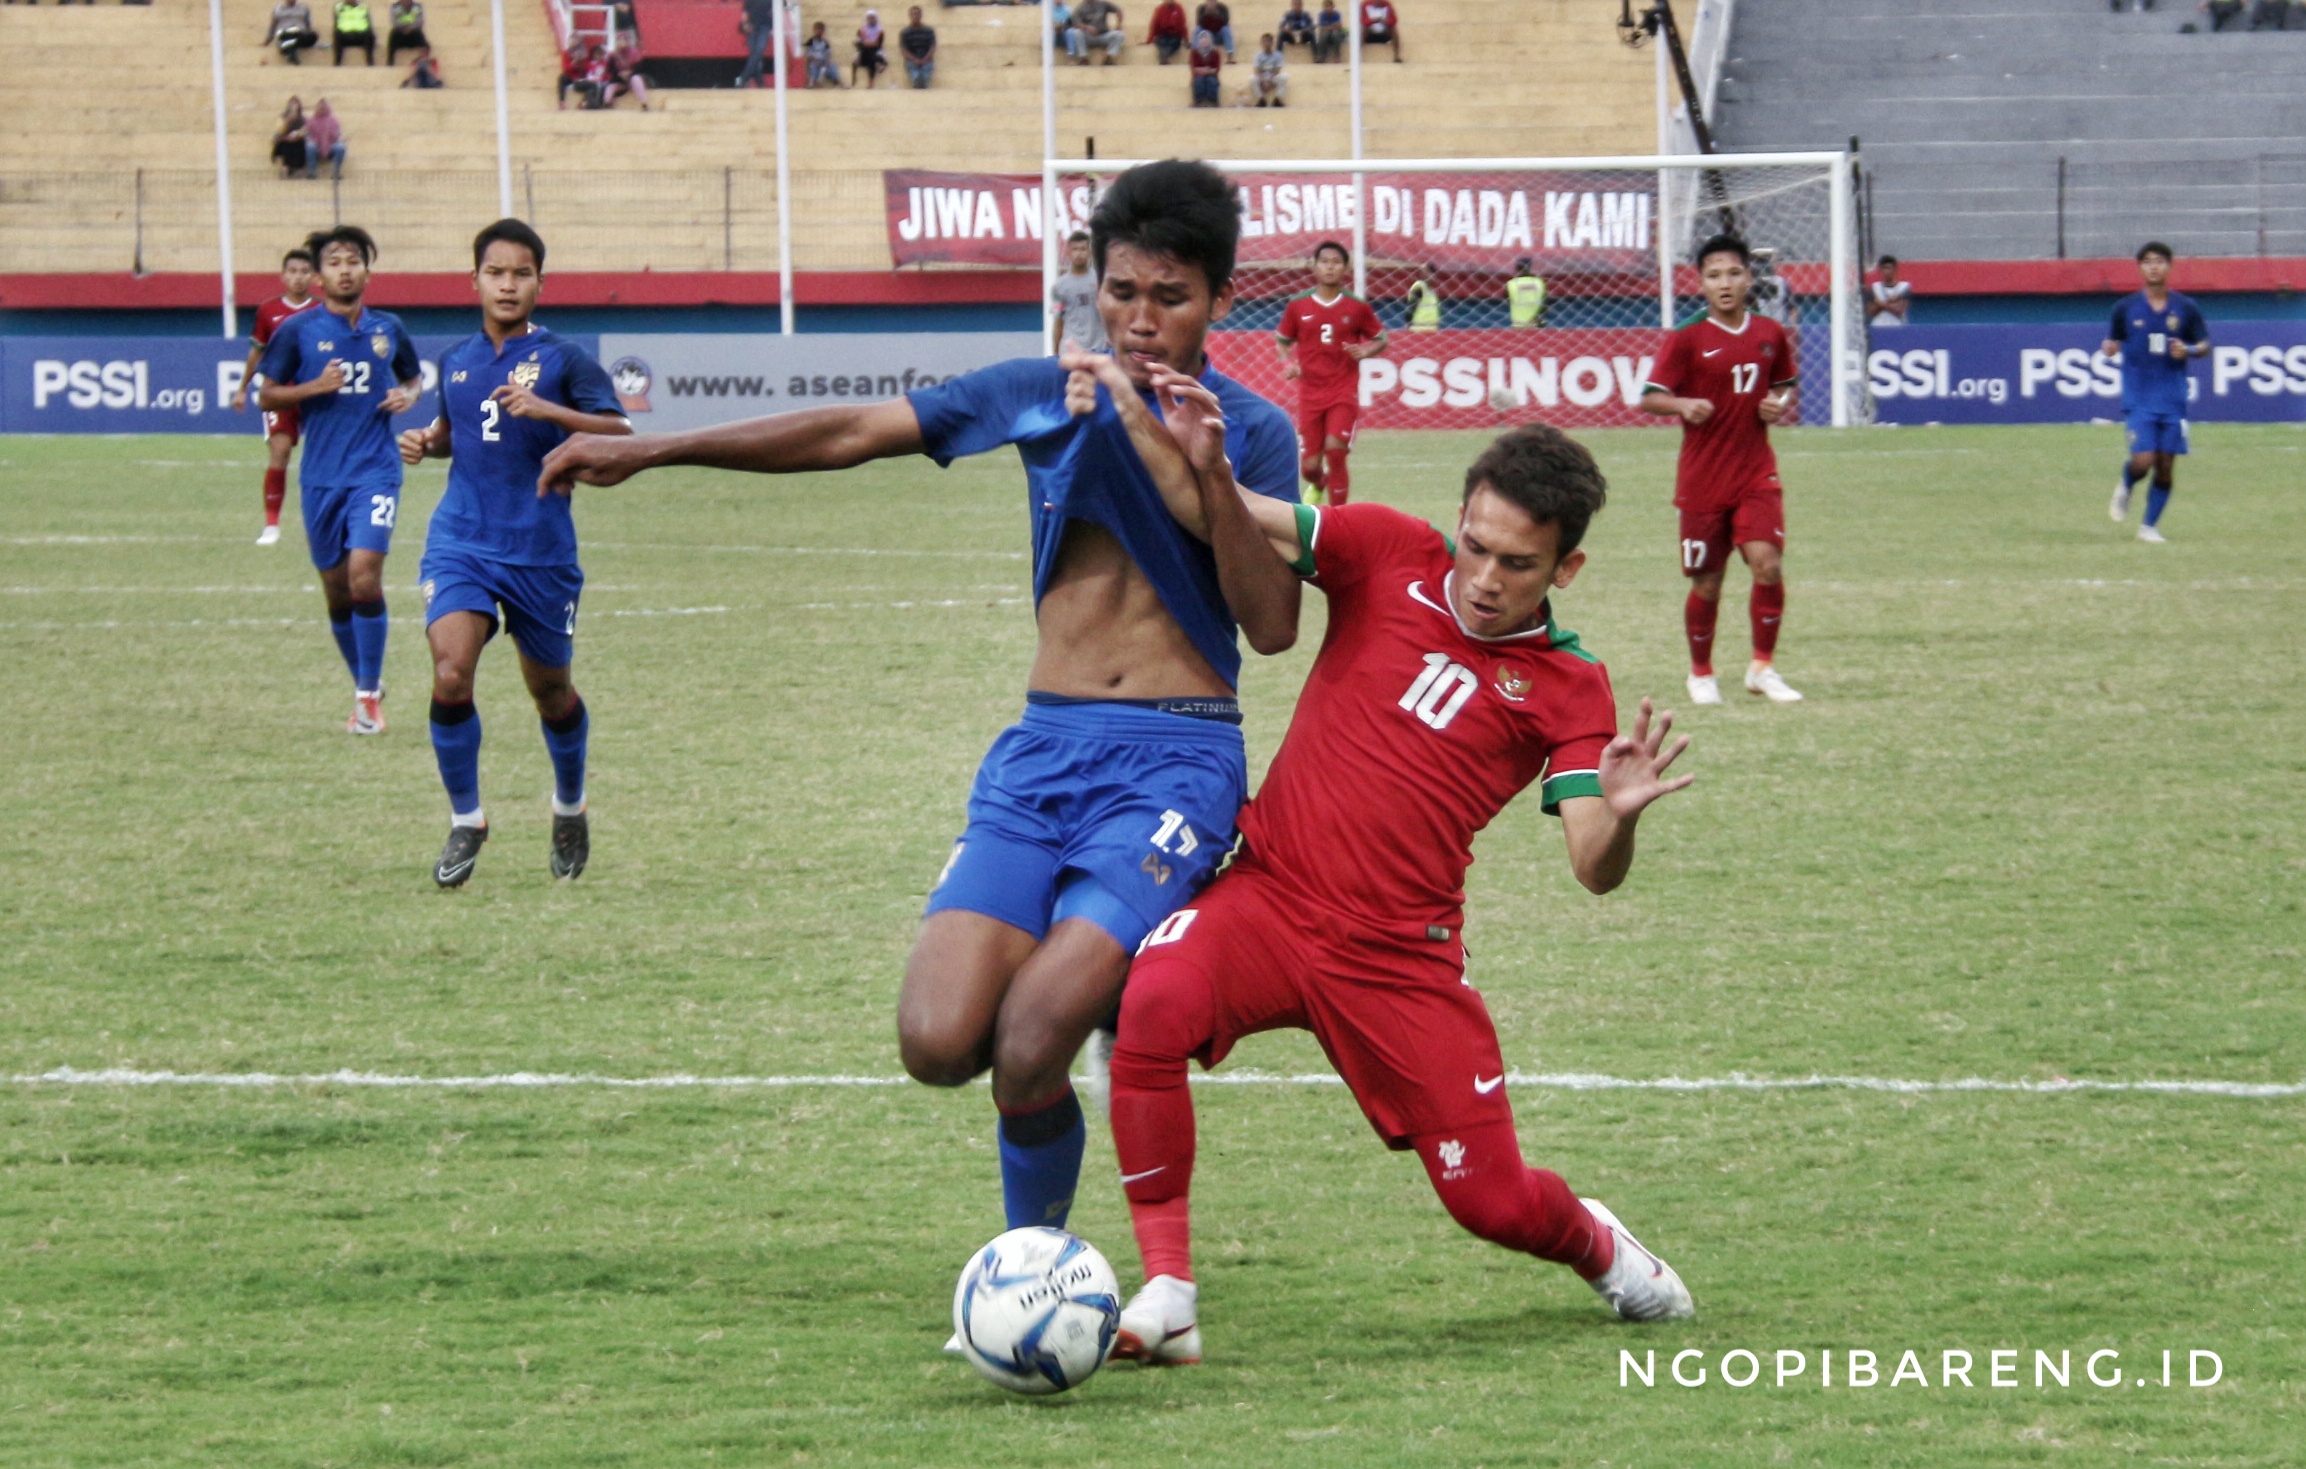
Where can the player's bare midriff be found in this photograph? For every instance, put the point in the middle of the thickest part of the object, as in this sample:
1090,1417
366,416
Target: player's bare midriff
1105,633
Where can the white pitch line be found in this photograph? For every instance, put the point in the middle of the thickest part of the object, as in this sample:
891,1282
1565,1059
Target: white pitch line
1573,1081
805,550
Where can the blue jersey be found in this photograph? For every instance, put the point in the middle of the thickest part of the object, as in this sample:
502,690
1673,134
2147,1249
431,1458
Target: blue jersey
1086,469
2152,380
348,437
492,508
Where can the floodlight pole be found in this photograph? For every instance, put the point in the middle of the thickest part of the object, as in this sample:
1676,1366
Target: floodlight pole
223,167
784,175
1360,180
503,114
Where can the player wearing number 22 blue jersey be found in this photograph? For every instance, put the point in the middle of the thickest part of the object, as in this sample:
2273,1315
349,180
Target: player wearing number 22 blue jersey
509,394
347,370
1112,800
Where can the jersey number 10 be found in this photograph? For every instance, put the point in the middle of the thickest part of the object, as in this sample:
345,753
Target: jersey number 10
1440,691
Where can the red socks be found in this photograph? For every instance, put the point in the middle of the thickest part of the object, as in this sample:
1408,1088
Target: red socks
275,491
1768,608
1487,1188
1337,480
1697,619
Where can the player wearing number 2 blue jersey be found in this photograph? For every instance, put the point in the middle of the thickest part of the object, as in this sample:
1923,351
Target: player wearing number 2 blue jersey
509,395
347,370
1112,800
2156,333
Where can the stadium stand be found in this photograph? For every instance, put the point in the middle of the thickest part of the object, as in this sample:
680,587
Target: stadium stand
690,186
2032,129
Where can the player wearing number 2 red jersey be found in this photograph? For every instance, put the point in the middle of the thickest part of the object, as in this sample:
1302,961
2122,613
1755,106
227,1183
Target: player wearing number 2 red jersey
1322,338
1728,376
1443,688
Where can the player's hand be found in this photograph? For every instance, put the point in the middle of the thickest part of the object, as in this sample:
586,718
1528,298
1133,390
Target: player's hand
2180,350
414,444
1695,411
592,459
1292,372
1193,415
1361,351
520,402
399,400
331,378
1084,369
1633,765
1775,406
240,400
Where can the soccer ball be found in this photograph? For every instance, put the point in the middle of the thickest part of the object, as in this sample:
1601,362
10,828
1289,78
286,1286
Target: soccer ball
1036,1310
1503,400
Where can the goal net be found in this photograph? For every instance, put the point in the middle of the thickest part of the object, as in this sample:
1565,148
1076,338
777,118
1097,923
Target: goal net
1609,239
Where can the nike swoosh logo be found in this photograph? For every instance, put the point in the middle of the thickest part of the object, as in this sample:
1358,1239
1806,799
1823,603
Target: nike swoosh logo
1148,1173
1417,590
1716,352
451,874
1486,1087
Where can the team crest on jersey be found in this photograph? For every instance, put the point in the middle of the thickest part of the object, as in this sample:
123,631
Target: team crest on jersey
526,374
2173,320
1512,685
380,344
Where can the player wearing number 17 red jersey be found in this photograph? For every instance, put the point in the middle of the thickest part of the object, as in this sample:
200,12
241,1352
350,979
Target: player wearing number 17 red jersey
1323,336
1728,376
1443,688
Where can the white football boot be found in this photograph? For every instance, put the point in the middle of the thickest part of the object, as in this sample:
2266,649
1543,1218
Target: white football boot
2118,510
1160,1326
1097,1070
1765,682
269,536
1704,689
1638,1285
2151,536
367,714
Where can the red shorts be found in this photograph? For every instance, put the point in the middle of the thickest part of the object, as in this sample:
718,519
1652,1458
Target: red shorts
284,421
1713,527
1317,423
1392,1008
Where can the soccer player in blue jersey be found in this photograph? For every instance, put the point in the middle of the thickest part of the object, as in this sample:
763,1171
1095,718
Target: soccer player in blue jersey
2155,333
1112,800
509,395
347,370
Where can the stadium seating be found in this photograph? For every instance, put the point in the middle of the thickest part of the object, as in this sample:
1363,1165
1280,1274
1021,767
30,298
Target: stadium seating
1965,111
109,91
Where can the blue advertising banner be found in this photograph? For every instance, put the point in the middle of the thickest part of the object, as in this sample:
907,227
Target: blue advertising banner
154,385
2052,373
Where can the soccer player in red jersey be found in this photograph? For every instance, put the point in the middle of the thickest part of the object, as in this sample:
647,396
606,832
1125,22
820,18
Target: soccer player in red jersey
1324,334
1444,687
1728,376
280,427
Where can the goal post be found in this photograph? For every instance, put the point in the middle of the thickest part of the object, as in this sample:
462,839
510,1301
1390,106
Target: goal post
1609,238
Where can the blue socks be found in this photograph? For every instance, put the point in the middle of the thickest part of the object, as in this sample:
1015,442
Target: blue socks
340,628
1041,1160
368,628
456,745
564,741
2156,499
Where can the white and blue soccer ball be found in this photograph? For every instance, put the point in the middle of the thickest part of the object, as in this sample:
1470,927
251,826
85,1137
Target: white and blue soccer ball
1036,1310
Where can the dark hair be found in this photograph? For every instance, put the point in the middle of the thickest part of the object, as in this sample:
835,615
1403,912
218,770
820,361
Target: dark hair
512,232
299,253
1523,264
1177,208
1548,474
1342,253
1724,245
1885,262
1076,237
344,234
2156,247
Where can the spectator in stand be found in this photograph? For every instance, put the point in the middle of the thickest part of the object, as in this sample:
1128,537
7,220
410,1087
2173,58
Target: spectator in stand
758,22
1169,32
2222,13
424,76
323,139
625,22
870,60
625,71
1270,83
292,31
817,55
1381,25
917,43
288,142
1329,33
1207,61
1216,18
576,70
407,31
1061,21
1297,26
354,31
1889,298
2269,15
1096,26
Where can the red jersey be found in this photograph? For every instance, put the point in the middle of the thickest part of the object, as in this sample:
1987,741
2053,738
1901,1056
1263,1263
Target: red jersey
272,313
1412,733
1729,453
1322,332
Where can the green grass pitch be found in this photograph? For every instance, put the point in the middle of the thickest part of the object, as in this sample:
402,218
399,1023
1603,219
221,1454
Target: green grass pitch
2040,817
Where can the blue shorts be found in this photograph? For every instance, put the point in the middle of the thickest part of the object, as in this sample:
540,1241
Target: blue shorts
338,522
1110,812
2155,433
539,602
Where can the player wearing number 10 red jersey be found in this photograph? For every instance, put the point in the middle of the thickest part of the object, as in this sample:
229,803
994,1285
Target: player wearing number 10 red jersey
1323,336
1728,376
1443,688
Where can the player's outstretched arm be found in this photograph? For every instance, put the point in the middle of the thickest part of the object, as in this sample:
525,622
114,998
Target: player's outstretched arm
1599,829
782,443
